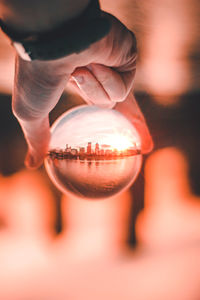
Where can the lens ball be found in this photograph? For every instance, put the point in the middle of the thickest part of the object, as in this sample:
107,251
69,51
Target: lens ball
94,152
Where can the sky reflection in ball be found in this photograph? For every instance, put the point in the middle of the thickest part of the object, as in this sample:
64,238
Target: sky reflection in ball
94,153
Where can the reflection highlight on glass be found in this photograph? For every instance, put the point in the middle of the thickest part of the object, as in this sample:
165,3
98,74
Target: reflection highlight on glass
94,152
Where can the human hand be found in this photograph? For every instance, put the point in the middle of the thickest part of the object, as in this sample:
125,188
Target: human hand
103,75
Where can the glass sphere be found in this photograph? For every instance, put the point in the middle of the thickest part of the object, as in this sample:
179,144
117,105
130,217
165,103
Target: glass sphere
93,153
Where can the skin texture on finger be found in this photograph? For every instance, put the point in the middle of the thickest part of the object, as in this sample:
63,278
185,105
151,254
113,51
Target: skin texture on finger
37,135
39,85
90,88
36,92
112,82
118,49
102,85
171,217
113,65
130,109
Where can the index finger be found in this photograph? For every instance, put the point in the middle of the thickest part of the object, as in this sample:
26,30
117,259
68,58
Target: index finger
130,109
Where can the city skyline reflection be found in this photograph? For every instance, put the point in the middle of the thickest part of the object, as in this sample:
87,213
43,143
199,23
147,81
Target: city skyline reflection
93,179
100,152
94,153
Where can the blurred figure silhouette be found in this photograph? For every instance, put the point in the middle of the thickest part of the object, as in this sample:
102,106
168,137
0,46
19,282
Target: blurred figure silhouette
90,257
88,260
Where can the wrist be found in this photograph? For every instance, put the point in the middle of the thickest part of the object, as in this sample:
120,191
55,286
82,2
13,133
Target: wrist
73,36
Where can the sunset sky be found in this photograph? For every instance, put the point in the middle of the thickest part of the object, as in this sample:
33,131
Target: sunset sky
92,124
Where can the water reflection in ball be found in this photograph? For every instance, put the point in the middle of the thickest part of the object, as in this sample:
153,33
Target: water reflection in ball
93,153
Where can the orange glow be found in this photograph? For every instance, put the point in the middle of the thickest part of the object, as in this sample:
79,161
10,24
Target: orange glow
171,214
88,259
6,65
120,142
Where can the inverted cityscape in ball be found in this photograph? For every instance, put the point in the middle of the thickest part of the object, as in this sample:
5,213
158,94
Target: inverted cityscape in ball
94,153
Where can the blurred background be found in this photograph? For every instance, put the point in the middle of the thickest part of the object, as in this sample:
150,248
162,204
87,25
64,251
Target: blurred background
144,243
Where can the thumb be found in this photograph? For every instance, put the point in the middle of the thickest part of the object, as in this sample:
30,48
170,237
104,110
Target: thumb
100,84
37,89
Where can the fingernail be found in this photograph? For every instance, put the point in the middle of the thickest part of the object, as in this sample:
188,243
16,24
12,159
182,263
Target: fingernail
79,79
90,68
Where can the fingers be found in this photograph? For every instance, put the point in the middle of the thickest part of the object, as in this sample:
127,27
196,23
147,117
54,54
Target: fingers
110,80
101,85
118,51
91,89
130,109
38,85
110,73
37,135
36,92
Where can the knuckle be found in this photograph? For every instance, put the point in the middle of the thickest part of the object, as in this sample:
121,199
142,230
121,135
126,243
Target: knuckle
22,112
120,95
81,71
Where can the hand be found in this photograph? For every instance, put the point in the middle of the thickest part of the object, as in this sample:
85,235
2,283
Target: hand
103,75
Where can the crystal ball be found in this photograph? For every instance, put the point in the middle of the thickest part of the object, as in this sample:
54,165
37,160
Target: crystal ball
94,152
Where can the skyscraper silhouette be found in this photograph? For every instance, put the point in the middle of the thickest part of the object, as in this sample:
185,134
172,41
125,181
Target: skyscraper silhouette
89,148
97,148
